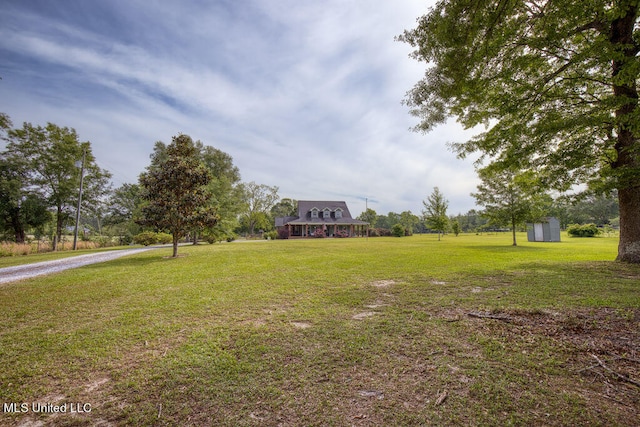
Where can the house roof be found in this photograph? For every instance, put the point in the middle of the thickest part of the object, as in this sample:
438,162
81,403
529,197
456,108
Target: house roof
306,206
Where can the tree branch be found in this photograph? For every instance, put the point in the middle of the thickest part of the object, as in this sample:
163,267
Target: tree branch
617,374
489,316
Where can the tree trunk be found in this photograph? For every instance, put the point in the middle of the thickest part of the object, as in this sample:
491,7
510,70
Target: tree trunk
627,144
176,239
629,246
58,235
16,224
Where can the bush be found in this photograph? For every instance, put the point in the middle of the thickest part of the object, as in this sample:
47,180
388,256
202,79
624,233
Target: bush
270,235
586,230
164,238
103,241
383,232
147,238
341,233
218,235
319,233
283,233
127,239
397,230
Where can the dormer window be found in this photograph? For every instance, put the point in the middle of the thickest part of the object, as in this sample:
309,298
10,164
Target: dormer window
338,213
314,213
326,213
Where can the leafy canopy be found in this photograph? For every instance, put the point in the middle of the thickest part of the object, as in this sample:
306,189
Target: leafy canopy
554,83
50,157
175,188
537,73
510,198
435,211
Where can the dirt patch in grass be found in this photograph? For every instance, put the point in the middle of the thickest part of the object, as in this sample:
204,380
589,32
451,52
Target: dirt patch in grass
364,315
383,283
301,325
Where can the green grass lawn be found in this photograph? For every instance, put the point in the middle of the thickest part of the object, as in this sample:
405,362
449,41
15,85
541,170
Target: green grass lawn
381,331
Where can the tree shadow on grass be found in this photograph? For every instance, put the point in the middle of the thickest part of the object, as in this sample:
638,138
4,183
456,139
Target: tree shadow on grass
506,248
126,262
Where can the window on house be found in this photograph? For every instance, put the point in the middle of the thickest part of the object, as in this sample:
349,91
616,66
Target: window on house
338,213
326,213
314,213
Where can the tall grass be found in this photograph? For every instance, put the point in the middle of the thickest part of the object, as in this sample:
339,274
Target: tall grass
9,249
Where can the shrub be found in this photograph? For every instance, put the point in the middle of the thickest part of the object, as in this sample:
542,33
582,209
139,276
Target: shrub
318,233
215,235
397,230
126,239
103,241
383,232
270,235
283,233
147,238
341,233
586,230
164,238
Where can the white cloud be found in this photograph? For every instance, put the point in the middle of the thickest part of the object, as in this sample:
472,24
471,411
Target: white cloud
304,96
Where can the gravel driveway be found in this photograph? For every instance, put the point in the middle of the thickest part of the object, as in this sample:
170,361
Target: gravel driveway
11,274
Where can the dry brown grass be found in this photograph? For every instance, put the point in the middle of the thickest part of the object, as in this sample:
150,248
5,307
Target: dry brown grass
8,249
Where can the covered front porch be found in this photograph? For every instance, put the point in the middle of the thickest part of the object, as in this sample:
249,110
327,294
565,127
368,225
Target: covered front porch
328,230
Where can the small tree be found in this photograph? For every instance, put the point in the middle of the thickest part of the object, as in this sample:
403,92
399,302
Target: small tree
455,227
435,211
175,188
509,197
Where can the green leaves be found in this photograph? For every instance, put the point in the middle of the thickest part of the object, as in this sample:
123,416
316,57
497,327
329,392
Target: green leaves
555,84
176,190
435,211
539,74
47,157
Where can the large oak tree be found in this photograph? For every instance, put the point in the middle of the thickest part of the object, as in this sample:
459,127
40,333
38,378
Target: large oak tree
554,82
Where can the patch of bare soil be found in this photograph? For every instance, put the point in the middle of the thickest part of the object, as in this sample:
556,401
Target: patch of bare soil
602,345
383,283
301,325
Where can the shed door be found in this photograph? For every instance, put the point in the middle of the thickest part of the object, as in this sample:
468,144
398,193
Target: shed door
538,232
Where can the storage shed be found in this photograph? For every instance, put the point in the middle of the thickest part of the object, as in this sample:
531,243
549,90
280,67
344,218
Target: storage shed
547,230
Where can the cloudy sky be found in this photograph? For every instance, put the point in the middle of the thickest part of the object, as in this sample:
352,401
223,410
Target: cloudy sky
304,95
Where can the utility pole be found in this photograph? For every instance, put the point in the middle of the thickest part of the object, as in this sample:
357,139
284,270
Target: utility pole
366,209
75,234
